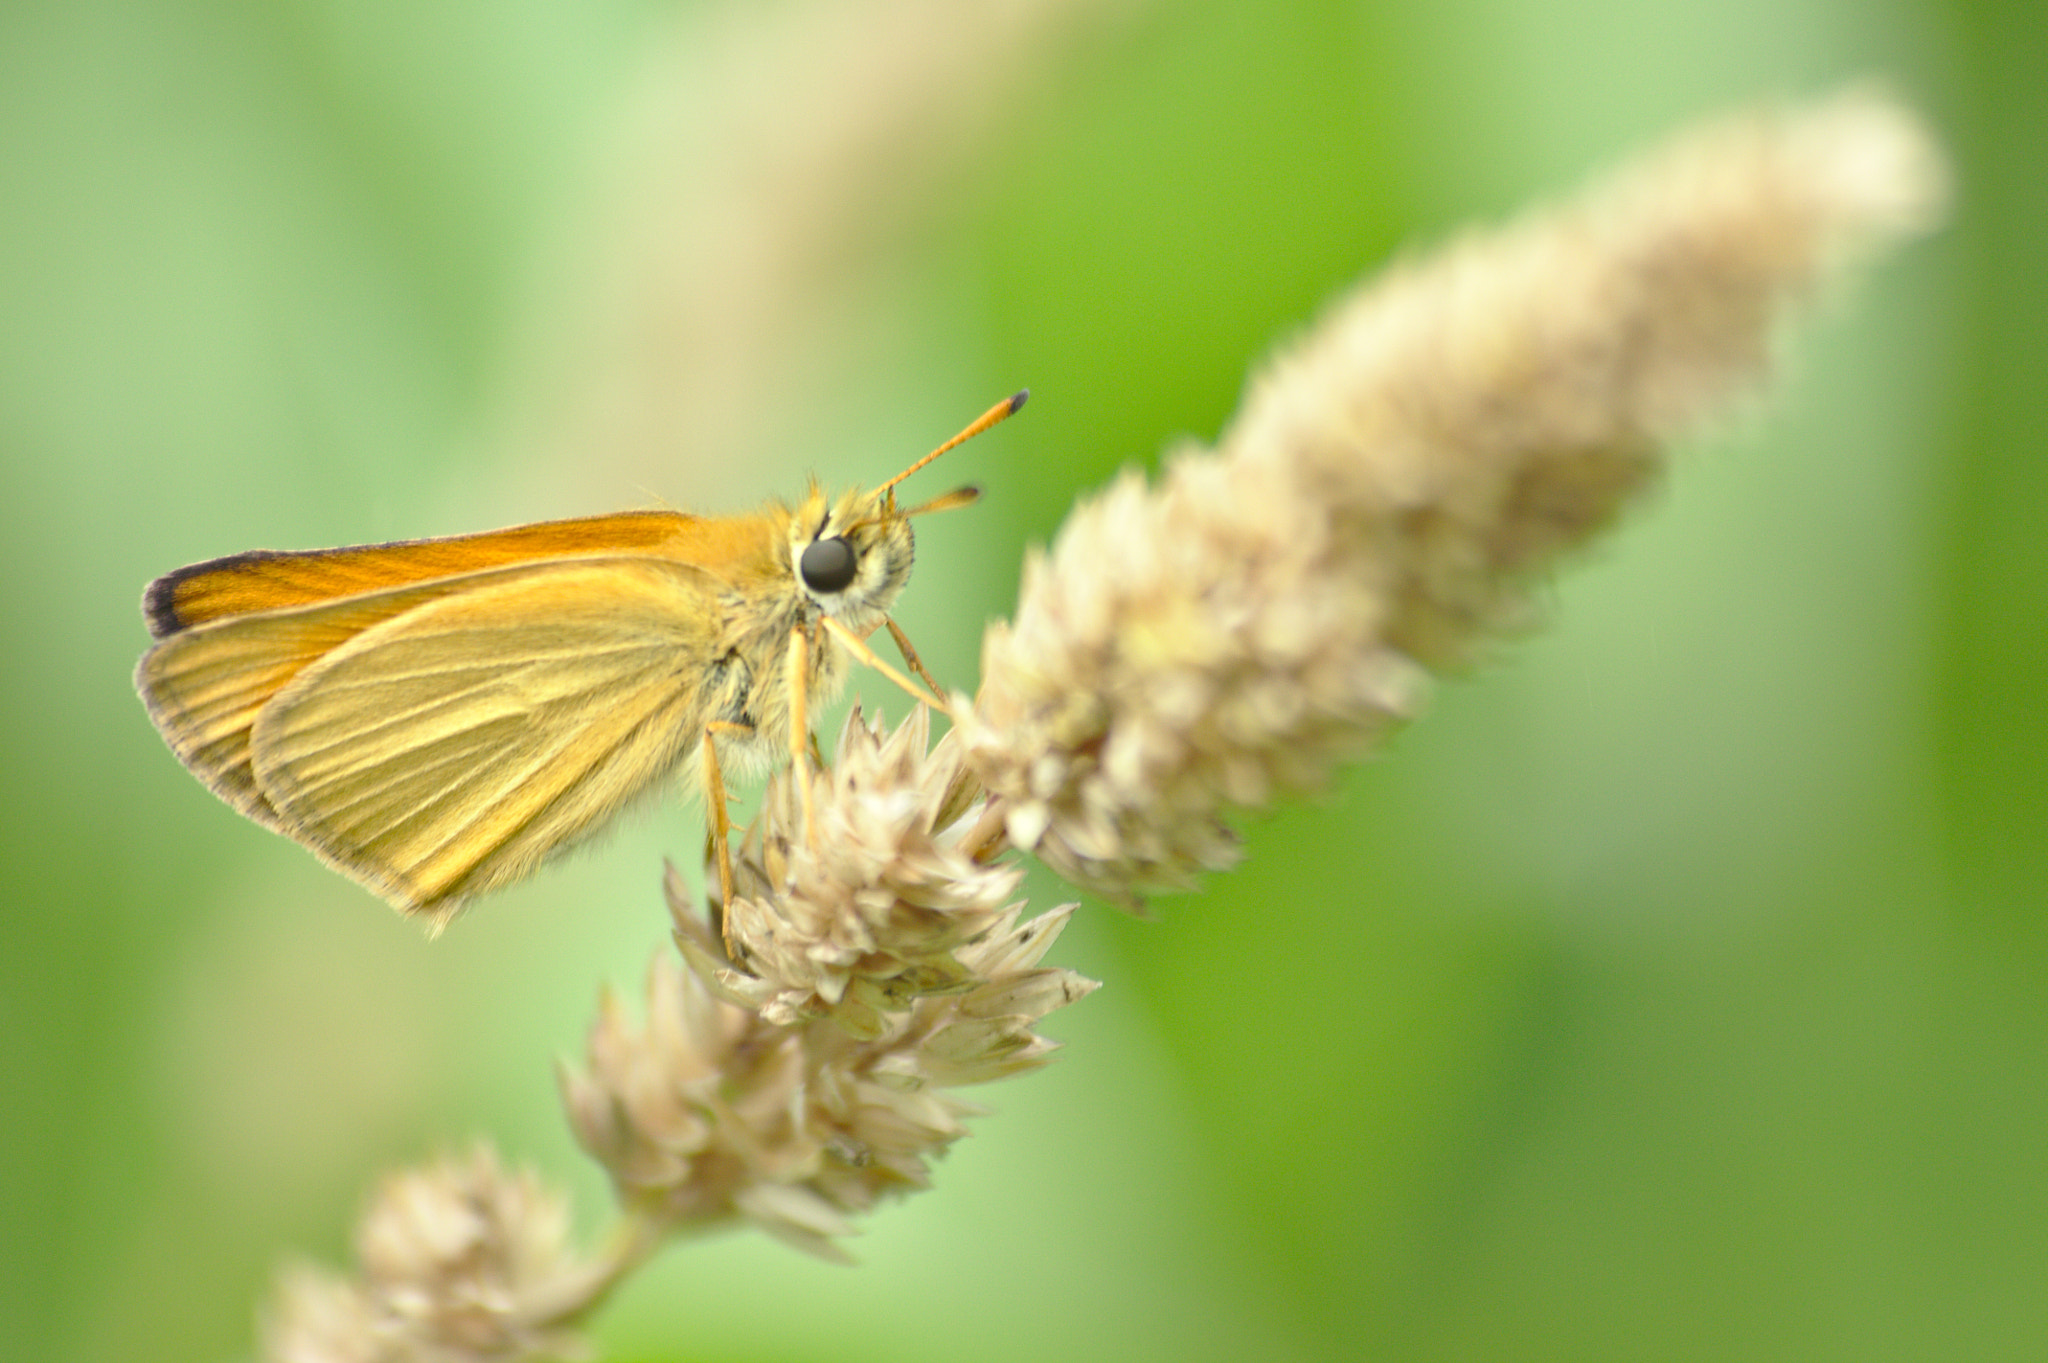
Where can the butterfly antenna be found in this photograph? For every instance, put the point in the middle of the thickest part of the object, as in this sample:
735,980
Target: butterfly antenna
945,501
1002,410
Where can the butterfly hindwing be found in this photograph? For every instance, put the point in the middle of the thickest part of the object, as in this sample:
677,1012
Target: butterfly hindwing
454,746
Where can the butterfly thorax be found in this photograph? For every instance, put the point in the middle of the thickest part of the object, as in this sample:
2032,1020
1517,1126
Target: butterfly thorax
799,573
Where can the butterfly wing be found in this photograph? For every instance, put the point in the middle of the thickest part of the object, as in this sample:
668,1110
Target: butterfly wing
454,746
265,579
205,685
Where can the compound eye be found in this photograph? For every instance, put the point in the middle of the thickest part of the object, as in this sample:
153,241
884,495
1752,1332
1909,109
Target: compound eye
827,565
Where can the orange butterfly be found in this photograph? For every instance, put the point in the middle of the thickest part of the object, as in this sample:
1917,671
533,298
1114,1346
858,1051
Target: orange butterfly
437,718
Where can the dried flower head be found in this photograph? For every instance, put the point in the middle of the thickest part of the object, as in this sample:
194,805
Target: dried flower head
883,969
868,909
462,1262
706,1113
1393,482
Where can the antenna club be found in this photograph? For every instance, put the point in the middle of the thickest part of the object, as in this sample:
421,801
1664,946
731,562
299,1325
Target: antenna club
981,423
1022,396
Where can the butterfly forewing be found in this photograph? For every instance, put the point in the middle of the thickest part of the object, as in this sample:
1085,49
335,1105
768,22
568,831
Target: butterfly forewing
453,747
204,686
265,580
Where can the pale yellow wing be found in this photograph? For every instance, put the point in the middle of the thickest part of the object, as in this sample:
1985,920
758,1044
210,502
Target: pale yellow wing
205,685
455,746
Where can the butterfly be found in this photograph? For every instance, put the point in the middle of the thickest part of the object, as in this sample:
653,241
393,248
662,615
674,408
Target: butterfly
438,718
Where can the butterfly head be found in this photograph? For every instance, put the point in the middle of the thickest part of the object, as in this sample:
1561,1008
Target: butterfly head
851,555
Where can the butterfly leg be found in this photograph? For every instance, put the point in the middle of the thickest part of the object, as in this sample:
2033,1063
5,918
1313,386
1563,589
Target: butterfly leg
800,725
859,649
910,657
721,822
814,644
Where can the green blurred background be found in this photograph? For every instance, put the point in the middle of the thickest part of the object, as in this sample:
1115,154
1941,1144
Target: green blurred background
1677,989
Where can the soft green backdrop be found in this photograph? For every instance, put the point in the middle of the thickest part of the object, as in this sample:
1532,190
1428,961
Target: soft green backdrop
1678,988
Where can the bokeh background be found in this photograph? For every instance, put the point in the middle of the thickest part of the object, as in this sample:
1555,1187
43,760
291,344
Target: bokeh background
1677,989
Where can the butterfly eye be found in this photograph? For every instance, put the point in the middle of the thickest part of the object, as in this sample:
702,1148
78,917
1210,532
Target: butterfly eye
827,565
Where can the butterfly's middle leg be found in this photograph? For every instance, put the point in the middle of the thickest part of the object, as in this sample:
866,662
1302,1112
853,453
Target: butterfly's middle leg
721,822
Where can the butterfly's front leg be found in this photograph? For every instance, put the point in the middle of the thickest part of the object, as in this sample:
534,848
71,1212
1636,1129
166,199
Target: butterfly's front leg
800,651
